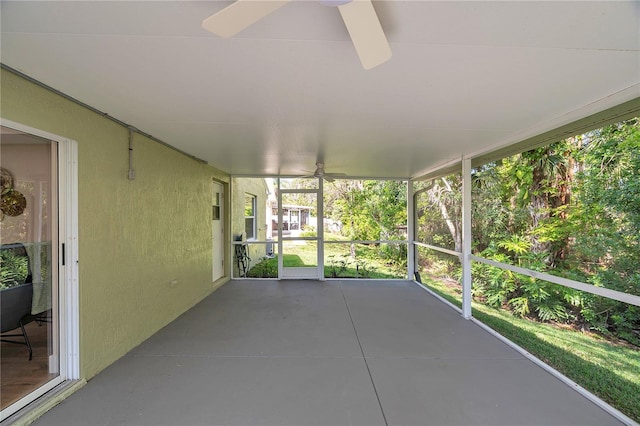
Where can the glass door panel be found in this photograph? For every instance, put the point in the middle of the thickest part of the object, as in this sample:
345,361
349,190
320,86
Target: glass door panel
28,276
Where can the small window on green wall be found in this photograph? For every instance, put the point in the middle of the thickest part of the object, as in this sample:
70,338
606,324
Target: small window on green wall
250,216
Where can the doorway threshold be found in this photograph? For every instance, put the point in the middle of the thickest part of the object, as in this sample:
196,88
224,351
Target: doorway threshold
31,412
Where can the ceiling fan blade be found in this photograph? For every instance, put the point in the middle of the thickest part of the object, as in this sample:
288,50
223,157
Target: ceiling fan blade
366,32
240,15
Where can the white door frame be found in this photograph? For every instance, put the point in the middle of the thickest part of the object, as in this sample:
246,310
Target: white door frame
220,241
68,306
311,272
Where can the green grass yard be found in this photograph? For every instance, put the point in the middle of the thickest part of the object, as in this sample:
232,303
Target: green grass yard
610,370
268,268
338,262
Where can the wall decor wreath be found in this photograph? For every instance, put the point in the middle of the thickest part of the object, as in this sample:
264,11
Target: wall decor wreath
6,178
13,202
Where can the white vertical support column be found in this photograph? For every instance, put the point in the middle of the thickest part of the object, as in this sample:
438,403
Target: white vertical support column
68,212
280,216
55,285
232,248
466,238
411,223
320,227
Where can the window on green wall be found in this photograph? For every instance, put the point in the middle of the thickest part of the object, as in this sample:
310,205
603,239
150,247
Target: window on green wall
250,216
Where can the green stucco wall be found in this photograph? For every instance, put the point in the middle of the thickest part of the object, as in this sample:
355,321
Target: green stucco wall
135,237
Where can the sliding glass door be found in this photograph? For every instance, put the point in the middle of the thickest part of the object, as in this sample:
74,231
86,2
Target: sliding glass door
30,347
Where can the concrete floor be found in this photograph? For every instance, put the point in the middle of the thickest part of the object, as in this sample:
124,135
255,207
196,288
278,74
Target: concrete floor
332,353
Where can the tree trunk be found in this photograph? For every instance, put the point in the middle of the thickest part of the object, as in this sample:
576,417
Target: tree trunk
563,181
437,197
539,209
453,228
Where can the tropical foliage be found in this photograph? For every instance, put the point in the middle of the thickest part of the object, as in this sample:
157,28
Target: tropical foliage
371,210
13,269
570,209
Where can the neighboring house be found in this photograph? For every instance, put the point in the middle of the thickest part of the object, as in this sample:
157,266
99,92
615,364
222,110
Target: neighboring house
295,219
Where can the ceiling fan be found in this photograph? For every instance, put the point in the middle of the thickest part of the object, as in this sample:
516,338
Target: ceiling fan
359,17
321,174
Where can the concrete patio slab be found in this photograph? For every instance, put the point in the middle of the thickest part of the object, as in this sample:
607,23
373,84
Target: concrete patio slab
324,353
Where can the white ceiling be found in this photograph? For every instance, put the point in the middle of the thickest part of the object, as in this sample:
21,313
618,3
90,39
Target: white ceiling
290,90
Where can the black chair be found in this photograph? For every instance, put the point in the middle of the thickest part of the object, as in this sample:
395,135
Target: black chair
16,312
15,303
242,257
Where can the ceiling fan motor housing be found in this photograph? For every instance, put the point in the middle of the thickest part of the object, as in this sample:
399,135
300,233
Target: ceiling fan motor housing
334,3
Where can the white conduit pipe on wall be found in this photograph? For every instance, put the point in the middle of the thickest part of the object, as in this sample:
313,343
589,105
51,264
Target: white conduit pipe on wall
132,173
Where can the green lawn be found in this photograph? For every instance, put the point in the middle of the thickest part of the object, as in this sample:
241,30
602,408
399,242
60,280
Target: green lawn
338,262
610,370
